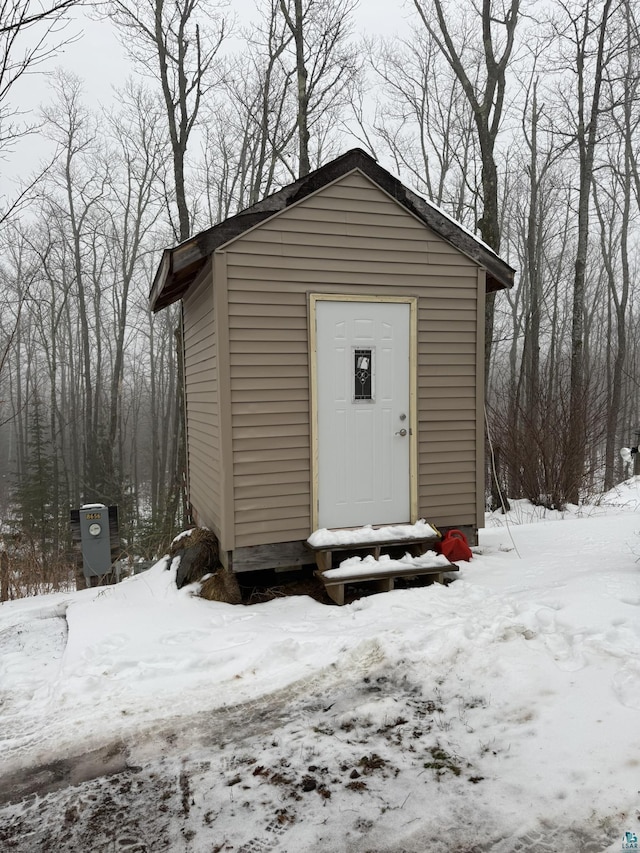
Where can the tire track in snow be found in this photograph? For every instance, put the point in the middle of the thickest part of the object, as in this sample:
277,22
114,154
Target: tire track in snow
204,729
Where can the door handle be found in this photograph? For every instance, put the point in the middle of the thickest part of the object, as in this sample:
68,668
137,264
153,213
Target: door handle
401,432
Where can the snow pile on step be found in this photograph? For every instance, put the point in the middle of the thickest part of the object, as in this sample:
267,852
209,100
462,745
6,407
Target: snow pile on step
324,538
367,566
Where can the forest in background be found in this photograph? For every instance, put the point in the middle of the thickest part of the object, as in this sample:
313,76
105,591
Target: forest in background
520,119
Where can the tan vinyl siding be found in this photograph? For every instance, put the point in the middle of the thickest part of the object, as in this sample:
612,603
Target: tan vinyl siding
350,238
203,423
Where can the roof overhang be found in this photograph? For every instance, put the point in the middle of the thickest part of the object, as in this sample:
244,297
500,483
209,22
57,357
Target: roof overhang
180,266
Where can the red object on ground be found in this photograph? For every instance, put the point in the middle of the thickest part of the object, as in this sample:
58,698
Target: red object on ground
454,546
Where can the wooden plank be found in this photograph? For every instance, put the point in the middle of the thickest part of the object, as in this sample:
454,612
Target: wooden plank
203,434
442,433
267,371
249,470
408,572
198,395
431,370
344,255
313,212
283,428
198,317
204,412
254,320
413,242
254,502
203,396
271,396
266,532
333,285
431,303
262,308
274,556
374,543
448,418
446,463
351,274
298,491
267,414
457,481
201,348
207,467
317,249
252,441
206,481
252,447
452,511
430,347
275,383
383,582
432,384
202,379
285,455
243,294
268,359
285,346
465,393
264,416
431,327
279,514
267,334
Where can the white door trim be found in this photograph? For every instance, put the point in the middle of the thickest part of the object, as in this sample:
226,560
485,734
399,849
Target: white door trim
412,301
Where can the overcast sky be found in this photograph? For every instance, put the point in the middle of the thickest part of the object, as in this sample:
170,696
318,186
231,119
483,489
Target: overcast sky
98,58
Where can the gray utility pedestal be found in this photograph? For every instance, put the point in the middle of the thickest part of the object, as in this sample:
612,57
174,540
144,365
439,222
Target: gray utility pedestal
95,533
96,541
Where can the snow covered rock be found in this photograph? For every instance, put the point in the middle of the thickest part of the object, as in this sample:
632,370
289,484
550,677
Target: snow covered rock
199,554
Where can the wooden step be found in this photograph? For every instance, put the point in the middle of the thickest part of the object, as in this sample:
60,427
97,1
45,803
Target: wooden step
382,573
416,547
416,539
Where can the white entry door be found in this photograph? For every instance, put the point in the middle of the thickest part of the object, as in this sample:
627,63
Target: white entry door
363,395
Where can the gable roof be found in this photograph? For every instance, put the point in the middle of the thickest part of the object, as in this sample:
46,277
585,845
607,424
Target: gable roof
180,265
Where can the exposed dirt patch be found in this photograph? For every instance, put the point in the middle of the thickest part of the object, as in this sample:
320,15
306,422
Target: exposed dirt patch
63,773
258,587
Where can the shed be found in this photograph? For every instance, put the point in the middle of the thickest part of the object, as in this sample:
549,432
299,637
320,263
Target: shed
334,363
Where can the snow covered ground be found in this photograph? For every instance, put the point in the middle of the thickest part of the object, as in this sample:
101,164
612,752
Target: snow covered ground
499,713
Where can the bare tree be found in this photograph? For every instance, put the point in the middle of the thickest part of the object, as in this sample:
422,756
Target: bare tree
249,128
583,32
480,65
325,63
425,123
135,157
75,203
29,35
178,40
613,185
